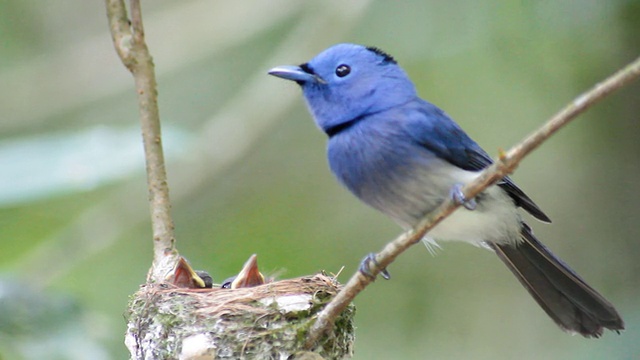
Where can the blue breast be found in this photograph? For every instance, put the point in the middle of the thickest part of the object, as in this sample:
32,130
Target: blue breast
380,164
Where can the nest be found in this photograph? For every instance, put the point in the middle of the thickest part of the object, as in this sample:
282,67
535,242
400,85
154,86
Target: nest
269,321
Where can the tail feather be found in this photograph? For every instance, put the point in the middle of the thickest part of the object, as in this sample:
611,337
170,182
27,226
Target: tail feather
573,304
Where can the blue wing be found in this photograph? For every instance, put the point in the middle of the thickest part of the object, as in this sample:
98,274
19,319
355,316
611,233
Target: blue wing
436,131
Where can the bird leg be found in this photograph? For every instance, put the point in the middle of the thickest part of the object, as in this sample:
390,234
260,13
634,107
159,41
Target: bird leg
365,267
458,196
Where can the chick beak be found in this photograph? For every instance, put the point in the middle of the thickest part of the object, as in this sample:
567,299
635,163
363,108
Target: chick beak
295,73
185,277
249,276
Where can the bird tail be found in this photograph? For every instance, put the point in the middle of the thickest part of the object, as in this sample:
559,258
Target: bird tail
575,306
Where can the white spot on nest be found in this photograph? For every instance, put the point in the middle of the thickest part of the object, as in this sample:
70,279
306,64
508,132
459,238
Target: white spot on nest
131,343
289,303
198,347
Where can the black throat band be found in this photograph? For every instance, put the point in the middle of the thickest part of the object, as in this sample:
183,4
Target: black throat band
336,129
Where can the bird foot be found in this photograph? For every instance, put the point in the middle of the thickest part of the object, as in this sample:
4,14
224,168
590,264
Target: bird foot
460,199
365,267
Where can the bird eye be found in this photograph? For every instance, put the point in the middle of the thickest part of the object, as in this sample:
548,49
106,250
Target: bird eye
343,70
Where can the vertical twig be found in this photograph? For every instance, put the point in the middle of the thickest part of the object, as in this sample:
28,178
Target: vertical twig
129,42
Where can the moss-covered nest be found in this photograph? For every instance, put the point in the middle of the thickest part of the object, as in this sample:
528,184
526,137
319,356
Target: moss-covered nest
269,321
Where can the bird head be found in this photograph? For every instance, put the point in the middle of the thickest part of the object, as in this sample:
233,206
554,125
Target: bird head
348,81
249,276
184,276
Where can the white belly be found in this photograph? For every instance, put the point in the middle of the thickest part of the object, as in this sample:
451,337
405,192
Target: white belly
495,218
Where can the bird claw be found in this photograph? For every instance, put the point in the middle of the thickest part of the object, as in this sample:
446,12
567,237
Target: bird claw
365,267
460,199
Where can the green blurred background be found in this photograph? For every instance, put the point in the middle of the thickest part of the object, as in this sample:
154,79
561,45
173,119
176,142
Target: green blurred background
248,174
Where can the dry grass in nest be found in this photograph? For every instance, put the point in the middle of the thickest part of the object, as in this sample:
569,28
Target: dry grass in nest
269,321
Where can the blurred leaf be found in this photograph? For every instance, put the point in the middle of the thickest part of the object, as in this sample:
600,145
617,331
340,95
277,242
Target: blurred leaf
51,164
38,325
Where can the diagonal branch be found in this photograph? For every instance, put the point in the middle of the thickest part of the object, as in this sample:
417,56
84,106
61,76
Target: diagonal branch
129,42
506,164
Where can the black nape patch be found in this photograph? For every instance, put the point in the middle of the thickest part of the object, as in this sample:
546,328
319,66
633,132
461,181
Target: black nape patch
385,57
306,68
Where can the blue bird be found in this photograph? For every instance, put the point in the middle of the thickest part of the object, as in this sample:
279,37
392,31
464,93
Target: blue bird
404,156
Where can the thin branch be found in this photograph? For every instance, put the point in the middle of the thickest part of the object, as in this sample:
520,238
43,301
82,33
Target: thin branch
129,42
506,164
